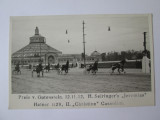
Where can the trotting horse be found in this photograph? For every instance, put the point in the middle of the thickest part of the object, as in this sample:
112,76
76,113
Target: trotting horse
16,70
119,66
64,68
93,68
38,69
47,68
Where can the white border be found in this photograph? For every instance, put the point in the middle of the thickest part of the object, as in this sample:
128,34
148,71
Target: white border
30,8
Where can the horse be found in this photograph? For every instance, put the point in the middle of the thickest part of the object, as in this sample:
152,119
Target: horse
38,69
64,68
93,68
58,68
16,70
119,66
47,68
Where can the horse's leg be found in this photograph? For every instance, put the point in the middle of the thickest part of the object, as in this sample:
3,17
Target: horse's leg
42,73
93,72
96,71
119,70
66,70
112,71
61,72
88,71
37,74
32,73
123,70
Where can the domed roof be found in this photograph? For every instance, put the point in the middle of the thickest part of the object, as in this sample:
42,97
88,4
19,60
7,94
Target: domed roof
95,53
37,38
36,46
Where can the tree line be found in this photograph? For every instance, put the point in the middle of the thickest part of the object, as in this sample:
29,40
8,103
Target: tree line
129,54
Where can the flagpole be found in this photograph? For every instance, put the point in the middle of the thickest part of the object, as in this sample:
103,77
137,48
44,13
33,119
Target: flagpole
84,45
144,43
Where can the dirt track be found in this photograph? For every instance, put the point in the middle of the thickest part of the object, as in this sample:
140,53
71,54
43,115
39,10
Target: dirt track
78,82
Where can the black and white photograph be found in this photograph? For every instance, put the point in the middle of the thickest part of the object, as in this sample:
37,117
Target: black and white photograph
81,55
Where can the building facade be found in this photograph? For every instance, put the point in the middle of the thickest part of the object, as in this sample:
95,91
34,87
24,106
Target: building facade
37,50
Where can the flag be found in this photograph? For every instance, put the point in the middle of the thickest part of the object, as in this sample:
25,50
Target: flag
68,41
66,32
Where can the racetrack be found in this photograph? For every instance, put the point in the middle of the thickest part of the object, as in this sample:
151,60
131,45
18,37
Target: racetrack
78,82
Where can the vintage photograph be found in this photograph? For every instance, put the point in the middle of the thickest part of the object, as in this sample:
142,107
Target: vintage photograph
72,61
80,54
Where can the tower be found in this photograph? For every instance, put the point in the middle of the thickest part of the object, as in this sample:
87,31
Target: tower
36,31
37,38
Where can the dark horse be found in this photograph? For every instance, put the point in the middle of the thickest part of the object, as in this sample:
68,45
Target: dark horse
119,66
17,69
38,69
93,68
57,66
64,68
47,68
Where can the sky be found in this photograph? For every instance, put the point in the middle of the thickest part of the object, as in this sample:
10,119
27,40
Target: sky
126,32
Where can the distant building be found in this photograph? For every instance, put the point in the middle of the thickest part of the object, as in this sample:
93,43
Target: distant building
95,55
37,50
